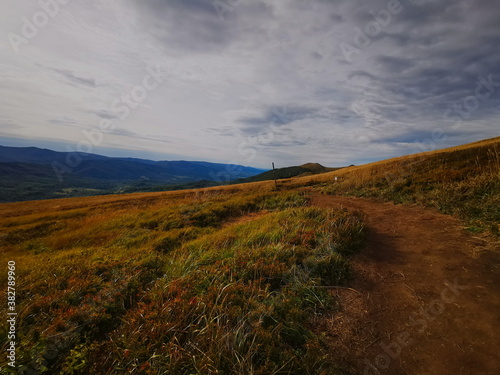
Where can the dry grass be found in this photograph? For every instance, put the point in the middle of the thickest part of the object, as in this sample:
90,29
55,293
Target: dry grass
179,283
201,281
463,181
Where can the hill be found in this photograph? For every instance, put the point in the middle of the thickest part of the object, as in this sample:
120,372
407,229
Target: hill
462,181
288,172
244,279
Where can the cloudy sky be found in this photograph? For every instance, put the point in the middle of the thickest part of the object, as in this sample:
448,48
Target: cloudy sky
249,81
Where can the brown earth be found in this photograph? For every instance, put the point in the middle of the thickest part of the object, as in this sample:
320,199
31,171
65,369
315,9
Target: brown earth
425,298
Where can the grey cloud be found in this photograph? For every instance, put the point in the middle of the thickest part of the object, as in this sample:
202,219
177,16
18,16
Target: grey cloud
289,143
419,13
317,55
278,115
268,56
395,64
223,131
122,132
105,115
65,121
431,63
337,18
6,124
74,78
137,135
196,25
415,136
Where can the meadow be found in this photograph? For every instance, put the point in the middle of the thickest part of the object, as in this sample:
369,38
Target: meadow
222,280
225,281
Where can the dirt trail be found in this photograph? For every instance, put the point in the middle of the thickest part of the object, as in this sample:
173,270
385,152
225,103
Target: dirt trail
429,293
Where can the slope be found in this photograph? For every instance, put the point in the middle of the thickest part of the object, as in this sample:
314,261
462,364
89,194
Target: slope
288,172
234,278
463,181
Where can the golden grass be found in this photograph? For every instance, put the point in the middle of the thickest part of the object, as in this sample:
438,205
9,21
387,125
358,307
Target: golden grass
174,282
462,181
195,281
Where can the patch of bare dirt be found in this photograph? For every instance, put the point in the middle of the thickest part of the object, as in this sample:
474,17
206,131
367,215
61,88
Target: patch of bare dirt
425,298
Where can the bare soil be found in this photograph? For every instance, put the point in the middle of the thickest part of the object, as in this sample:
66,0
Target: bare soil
425,298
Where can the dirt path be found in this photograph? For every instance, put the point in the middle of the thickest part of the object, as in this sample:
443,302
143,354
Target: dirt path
429,296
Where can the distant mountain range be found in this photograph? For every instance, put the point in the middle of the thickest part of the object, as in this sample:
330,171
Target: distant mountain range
36,160
30,173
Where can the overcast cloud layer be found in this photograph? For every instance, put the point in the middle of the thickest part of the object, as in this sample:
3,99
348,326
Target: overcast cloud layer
250,81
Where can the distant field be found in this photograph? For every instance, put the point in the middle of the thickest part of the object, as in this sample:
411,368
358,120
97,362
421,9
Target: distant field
218,280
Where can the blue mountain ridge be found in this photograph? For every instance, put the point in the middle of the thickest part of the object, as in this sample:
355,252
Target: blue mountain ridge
118,169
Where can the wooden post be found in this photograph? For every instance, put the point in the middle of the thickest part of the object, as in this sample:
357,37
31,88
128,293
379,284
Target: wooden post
275,181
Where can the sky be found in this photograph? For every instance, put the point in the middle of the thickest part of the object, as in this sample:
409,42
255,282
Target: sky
249,82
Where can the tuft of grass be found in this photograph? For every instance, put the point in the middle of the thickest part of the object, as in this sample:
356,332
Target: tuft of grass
240,305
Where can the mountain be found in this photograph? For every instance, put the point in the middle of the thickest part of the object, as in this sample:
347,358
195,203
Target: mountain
120,169
37,155
28,173
288,172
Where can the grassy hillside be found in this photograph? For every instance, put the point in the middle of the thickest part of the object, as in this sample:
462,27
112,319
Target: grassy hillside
287,172
223,280
463,181
220,281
